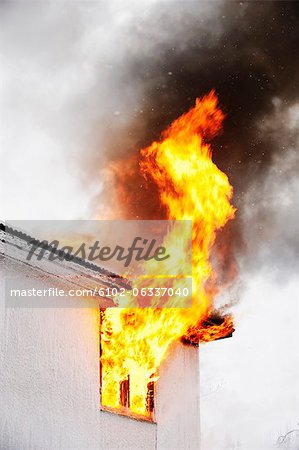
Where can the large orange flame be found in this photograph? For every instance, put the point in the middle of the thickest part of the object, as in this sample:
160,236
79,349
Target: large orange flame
191,187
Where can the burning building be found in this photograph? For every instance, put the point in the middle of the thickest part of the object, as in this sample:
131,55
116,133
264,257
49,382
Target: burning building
170,417
148,357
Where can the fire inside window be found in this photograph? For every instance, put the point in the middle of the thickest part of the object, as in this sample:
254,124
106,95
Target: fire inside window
123,395
118,389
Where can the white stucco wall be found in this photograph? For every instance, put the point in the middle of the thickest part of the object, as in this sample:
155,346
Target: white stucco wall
50,384
177,405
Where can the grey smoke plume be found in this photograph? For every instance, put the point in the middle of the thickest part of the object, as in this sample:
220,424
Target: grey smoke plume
100,81
243,50
176,52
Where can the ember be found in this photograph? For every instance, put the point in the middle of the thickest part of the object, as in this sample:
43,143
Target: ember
211,329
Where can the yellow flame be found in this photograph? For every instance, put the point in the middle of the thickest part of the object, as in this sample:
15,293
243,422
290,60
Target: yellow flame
191,187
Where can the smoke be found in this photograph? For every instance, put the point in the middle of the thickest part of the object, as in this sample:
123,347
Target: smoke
177,52
269,217
243,50
97,82
253,378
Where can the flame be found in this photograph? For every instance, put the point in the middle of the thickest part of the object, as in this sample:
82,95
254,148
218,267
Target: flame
191,187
